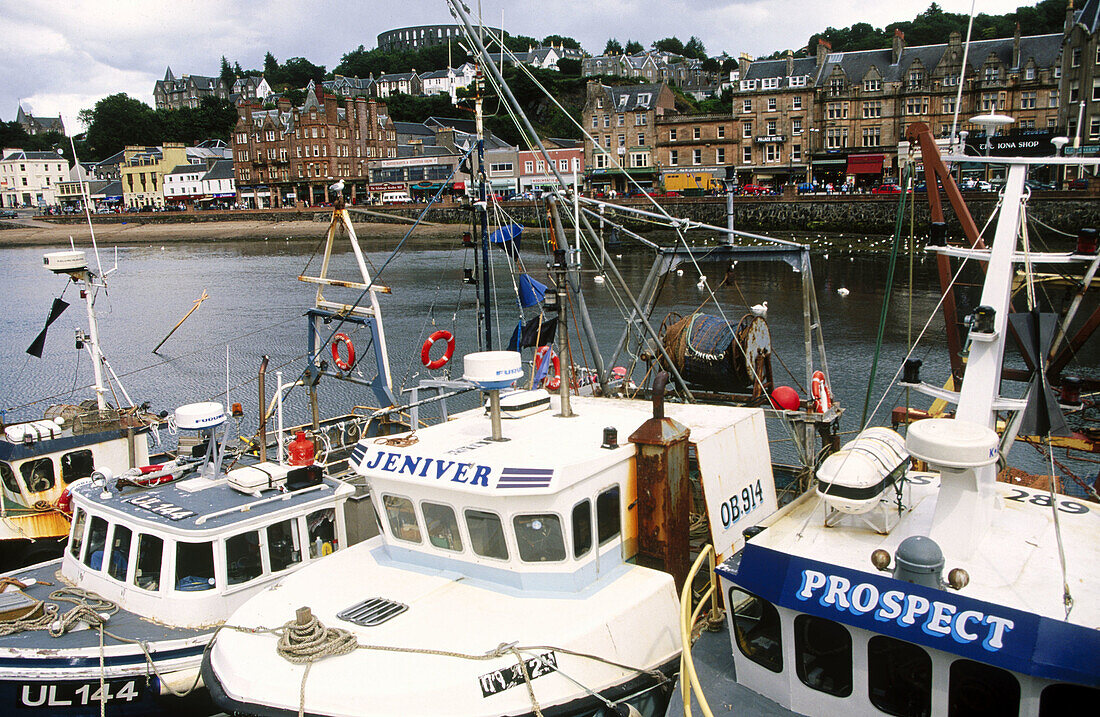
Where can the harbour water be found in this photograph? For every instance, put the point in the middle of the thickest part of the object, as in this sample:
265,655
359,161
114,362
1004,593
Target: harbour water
256,307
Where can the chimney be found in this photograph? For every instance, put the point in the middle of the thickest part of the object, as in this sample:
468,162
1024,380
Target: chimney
899,45
823,48
1016,48
790,63
1070,12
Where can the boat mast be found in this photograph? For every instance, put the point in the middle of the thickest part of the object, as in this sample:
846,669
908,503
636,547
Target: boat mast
88,290
483,210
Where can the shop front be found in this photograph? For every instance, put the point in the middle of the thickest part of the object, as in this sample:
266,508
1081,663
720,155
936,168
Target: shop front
864,171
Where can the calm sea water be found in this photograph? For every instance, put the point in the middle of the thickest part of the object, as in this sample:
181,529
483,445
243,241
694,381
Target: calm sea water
256,307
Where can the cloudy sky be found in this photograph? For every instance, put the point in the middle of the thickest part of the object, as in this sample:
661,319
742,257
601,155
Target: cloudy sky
61,56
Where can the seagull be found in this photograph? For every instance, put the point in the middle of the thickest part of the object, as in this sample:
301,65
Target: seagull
843,291
760,309
598,278
702,281
679,272
338,186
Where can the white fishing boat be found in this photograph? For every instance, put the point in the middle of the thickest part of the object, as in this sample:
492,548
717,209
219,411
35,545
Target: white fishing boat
911,581
40,458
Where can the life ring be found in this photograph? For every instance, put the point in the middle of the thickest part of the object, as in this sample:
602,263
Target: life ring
341,364
553,381
426,349
823,397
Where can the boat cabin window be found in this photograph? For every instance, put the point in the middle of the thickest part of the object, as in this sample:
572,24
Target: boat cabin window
582,528
756,628
283,545
194,567
321,525
486,534
242,558
608,518
8,476
899,677
119,560
539,538
97,540
442,526
149,560
1066,699
823,655
402,518
977,689
79,518
76,465
38,475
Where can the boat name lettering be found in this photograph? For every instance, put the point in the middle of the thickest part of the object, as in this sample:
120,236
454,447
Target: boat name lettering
469,447
160,507
421,467
512,676
934,617
71,694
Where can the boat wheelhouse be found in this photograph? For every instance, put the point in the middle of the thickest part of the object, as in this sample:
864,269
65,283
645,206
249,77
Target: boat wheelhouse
163,564
496,557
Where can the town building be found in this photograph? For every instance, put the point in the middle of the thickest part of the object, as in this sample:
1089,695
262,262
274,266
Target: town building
293,154
535,174
1079,109
172,93
39,125
667,67
143,170
545,58
696,153
31,179
201,185
422,36
449,81
344,86
621,122
249,88
405,83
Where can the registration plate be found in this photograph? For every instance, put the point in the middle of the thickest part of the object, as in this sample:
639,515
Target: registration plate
79,694
509,677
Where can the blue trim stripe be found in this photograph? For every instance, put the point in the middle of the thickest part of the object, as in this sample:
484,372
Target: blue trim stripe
357,454
525,477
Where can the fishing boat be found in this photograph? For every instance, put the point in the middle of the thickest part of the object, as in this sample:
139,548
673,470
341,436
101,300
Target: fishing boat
41,458
911,581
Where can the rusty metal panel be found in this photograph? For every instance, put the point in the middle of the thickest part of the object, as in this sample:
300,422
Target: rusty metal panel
664,506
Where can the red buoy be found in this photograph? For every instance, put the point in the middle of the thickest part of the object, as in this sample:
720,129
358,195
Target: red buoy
785,397
300,450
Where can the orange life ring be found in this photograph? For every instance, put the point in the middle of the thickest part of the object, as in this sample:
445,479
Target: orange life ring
553,381
426,349
338,339
823,397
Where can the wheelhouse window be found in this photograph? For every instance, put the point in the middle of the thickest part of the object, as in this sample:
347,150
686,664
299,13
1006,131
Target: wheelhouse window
119,559
539,538
7,475
608,520
756,628
442,526
242,558
194,567
582,528
899,677
147,569
79,518
402,518
321,527
974,688
823,655
283,545
97,540
38,475
486,534
1065,699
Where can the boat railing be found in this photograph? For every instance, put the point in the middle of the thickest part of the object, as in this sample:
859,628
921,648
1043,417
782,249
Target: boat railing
689,681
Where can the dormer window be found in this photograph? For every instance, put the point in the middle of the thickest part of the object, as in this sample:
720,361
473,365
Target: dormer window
872,85
991,73
622,101
799,81
644,98
770,83
916,78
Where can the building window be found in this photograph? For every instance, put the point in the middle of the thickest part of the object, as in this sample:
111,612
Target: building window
695,132
641,139
991,73
836,110
771,152
899,676
673,157
720,155
917,106
672,134
595,122
746,129
756,627
974,687
872,136
1094,128
771,127
746,155
823,655
916,78
639,119
771,104
796,102
949,105
836,85
1075,57
836,137
696,156
721,131
872,109
769,83
796,125
620,120
528,167
746,105
796,153
639,159
622,141
799,81
872,85
1029,72
607,120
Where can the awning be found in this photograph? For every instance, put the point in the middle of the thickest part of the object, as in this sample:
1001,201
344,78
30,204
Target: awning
838,160
865,163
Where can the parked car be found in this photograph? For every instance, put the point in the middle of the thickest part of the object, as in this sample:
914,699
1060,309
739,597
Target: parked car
1079,183
1037,186
755,189
8,214
806,188
886,189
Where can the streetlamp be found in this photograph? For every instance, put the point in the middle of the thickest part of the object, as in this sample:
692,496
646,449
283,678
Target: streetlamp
810,154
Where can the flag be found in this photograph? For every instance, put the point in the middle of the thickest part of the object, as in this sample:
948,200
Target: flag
508,237
536,332
531,291
35,349
544,367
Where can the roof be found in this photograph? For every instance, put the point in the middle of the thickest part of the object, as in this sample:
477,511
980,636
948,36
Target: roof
800,67
1089,16
633,97
462,125
25,156
222,169
186,169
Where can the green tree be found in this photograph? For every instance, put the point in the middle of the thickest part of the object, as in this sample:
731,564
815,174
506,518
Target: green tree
613,47
556,40
569,67
695,49
271,70
711,64
669,44
226,73
116,121
298,71
633,47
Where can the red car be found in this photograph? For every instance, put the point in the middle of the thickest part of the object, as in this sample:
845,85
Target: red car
886,189
755,189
